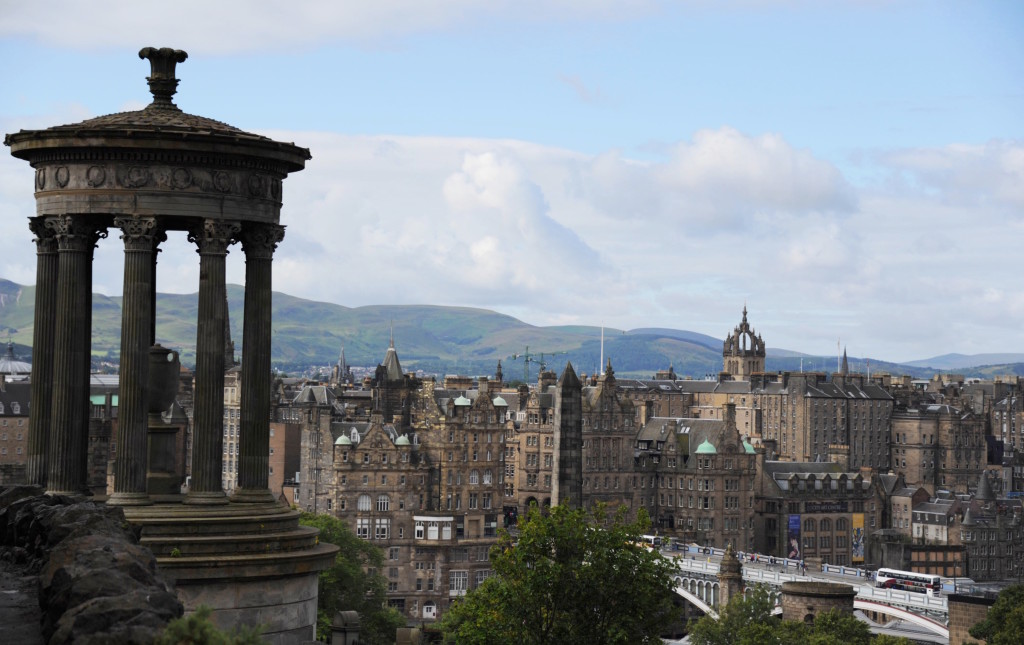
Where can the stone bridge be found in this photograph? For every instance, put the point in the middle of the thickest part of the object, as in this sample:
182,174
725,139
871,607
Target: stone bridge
697,582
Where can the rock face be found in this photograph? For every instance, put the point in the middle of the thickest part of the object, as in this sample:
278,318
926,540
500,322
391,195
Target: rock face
96,584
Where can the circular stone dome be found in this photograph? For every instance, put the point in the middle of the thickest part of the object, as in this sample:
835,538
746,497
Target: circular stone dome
11,365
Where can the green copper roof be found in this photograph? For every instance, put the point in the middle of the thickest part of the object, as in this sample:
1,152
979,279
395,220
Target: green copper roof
463,401
706,448
747,447
101,399
499,401
402,441
343,441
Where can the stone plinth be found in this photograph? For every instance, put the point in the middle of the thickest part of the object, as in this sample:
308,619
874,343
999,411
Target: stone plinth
802,601
252,564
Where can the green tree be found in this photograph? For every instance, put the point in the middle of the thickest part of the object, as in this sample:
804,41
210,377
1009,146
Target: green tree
1004,623
568,577
352,584
198,629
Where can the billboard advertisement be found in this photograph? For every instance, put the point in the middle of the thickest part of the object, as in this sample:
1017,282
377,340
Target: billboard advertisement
857,539
793,538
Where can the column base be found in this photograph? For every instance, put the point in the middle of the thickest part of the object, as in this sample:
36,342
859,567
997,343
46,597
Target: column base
129,499
206,498
252,496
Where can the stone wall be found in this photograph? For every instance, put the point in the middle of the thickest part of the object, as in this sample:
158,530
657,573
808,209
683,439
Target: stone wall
96,584
966,612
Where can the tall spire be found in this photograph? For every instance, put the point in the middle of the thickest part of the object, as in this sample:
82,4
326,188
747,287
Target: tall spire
846,365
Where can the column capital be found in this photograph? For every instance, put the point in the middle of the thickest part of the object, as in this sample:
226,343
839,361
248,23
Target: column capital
260,240
76,233
45,237
214,236
139,233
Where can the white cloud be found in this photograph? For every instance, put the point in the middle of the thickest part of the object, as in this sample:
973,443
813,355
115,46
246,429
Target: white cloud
974,175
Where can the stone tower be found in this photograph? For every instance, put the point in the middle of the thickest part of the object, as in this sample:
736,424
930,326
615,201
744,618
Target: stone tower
743,351
567,487
730,577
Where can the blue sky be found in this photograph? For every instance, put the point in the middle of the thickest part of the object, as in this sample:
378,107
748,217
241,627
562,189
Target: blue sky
850,170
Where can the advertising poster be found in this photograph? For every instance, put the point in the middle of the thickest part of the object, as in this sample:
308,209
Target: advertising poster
793,538
857,539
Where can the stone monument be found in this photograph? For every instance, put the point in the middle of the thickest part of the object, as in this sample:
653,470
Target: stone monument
145,173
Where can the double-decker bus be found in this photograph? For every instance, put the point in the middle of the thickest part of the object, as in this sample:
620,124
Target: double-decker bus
908,581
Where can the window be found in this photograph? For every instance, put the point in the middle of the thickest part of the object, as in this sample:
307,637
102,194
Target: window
474,477
382,530
363,504
383,503
363,528
458,582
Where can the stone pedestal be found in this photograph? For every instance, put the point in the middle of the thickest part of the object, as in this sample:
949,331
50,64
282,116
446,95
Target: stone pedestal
253,564
802,601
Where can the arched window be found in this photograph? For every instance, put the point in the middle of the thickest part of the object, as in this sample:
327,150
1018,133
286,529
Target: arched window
354,435
383,503
809,525
826,525
364,503
841,524
487,477
474,477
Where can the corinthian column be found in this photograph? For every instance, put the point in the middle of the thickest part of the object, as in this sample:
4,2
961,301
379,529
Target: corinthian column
69,436
130,465
258,243
213,238
42,350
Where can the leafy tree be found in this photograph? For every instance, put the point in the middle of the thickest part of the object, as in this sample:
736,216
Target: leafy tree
569,577
351,584
748,620
1004,623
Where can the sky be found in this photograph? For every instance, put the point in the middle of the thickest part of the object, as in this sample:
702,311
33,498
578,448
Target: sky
852,172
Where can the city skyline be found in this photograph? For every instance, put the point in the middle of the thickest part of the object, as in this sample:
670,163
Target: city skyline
848,172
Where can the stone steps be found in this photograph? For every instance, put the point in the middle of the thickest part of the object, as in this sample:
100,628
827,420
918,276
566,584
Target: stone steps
297,539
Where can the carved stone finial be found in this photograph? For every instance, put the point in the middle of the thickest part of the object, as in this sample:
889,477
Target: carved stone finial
162,82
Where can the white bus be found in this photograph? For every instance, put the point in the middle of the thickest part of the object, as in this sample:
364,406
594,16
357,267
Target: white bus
909,581
651,541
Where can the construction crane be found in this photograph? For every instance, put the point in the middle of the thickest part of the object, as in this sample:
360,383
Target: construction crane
536,357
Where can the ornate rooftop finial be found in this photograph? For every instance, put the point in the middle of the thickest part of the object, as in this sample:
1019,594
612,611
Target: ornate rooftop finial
162,82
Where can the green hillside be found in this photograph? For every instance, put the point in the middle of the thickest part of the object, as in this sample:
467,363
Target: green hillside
441,340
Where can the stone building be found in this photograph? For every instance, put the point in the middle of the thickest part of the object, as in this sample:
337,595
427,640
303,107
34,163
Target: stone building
696,480
430,494
815,511
743,352
13,423
939,447
992,530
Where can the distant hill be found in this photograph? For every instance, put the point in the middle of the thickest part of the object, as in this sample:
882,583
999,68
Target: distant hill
964,361
440,340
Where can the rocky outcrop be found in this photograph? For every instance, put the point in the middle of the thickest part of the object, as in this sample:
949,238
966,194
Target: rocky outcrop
96,584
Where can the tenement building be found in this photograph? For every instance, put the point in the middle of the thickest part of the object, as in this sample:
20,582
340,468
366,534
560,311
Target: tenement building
429,492
695,478
815,511
938,447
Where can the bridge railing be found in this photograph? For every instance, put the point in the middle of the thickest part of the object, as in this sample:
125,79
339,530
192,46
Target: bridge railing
905,599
